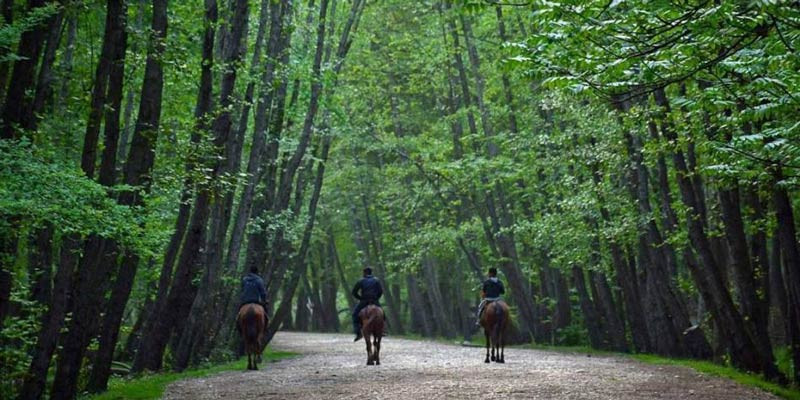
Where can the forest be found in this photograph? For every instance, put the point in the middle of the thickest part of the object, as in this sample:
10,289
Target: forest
631,168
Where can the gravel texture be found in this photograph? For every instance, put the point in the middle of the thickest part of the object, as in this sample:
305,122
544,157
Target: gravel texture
333,367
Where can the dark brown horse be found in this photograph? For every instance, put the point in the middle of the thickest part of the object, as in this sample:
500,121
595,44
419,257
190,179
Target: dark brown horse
372,329
252,323
495,320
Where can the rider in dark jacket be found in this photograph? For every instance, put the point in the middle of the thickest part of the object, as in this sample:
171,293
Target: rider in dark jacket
367,290
490,291
253,290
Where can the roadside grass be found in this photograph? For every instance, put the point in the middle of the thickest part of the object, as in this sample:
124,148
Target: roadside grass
151,386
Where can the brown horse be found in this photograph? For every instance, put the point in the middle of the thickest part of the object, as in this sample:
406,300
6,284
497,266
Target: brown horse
495,320
252,323
372,330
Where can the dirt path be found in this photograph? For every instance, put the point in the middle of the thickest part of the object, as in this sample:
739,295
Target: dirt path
332,367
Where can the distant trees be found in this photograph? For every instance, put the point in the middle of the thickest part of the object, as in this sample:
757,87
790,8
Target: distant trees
631,174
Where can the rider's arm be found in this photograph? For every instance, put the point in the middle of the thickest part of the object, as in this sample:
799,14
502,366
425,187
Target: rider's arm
380,290
502,289
356,290
262,292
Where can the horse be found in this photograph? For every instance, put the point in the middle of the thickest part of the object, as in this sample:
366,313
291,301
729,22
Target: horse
372,330
495,321
252,323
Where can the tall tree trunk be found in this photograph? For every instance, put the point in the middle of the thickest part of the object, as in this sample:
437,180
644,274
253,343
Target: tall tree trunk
66,59
443,322
743,351
670,329
36,380
113,36
112,106
100,257
44,82
787,236
299,260
40,265
258,147
520,290
7,11
590,317
749,305
604,300
201,306
17,112
155,334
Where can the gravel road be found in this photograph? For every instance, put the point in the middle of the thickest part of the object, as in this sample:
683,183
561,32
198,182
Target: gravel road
333,367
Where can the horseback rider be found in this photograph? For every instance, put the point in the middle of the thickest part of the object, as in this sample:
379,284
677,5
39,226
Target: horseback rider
253,290
368,291
491,290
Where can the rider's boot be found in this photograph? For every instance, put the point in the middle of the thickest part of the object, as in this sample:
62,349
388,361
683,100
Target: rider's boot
357,329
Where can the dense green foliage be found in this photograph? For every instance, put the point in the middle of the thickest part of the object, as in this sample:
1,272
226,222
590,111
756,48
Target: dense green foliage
629,167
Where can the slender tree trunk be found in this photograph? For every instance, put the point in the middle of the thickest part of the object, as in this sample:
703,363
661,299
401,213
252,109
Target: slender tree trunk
35,381
44,82
590,318
114,32
201,306
520,290
17,112
279,13
749,305
66,59
299,260
7,11
40,265
100,256
444,323
419,323
787,236
743,351
113,98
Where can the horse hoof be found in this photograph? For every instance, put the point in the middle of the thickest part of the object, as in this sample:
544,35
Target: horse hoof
493,359
377,363
486,360
501,361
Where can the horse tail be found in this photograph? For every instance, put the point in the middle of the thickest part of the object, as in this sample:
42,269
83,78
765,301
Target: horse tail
371,323
251,330
499,316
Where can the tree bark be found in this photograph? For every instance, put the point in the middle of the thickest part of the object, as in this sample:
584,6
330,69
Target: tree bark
201,305
156,331
590,318
109,55
44,82
299,260
36,379
743,351
17,112
787,236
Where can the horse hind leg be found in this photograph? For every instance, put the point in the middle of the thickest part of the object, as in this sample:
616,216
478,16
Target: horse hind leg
377,350
368,340
488,343
501,349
